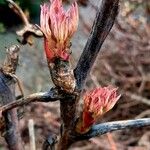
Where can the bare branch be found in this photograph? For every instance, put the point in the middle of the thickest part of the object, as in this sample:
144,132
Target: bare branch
49,96
49,143
18,11
137,97
11,132
31,134
102,25
28,29
104,128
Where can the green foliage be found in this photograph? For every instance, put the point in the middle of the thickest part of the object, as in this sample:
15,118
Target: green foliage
2,2
33,6
2,28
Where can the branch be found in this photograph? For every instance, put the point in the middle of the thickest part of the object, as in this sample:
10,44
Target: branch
102,25
18,11
103,128
137,97
49,143
28,29
49,96
7,95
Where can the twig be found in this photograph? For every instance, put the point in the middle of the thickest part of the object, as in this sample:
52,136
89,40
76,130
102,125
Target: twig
49,96
28,29
137,97
111,141
18,11
145,113
31,134
102,25
104,128
49,143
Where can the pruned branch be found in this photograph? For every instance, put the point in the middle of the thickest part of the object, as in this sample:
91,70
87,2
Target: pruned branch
102,25
104,128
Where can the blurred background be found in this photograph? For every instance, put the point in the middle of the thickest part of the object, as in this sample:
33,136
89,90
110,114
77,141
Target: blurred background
124,61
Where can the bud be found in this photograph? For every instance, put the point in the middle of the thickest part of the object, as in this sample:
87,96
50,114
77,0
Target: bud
58,27
96,103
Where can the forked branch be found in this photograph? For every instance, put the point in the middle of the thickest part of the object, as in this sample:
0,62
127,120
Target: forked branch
103,23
